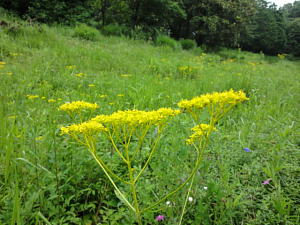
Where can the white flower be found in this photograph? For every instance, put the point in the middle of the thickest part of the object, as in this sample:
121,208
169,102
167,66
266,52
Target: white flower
205,188
190,199
168,203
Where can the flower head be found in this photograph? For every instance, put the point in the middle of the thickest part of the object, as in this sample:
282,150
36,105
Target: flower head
247,150
86,128
221,98
136,118
200,131
71,107
266,181
160,218
32,96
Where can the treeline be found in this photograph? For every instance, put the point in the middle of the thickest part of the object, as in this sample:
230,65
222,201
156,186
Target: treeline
254,25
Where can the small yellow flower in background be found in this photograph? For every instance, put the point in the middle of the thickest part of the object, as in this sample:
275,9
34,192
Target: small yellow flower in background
252,64
2,63
102,96
111,103
59,99
43,97
86,128
200,131
14,54
186,70
125,75
12,117
77,106
120,95
71,67
79,74
9,73
51,100
39,138
31,97
92,85
281,56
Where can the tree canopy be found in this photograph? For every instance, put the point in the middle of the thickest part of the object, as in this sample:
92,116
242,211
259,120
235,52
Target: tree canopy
254,25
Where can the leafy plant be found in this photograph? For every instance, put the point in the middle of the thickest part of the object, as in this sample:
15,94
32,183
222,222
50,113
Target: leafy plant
187,44
85,32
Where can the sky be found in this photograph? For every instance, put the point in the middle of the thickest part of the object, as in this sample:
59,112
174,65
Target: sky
280,3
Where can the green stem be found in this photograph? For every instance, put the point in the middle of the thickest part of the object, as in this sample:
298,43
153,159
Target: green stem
113,183
186,199
178,188
133,188
93,152
149,158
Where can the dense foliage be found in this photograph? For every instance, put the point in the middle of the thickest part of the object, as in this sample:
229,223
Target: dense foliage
252,25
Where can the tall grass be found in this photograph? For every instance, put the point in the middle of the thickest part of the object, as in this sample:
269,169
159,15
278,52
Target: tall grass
45,180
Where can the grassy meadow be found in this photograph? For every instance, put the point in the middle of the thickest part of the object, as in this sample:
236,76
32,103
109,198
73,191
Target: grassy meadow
46,178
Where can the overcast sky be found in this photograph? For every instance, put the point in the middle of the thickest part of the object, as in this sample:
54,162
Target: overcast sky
281,2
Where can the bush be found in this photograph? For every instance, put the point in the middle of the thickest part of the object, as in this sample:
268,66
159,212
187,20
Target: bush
164,40
187,44
114,30
85,32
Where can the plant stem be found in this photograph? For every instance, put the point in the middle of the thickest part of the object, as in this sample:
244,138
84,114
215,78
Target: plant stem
133,189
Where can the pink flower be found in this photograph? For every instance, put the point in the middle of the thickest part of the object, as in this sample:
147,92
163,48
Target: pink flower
160,218
266,181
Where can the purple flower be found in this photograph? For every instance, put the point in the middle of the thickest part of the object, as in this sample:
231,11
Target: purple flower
247,150
160,218
266,181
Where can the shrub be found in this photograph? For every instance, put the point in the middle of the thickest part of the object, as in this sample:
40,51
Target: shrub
187,44
164,40
85,32
114,30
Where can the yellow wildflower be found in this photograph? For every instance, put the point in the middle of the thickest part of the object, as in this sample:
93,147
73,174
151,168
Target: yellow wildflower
92,85
120,95
9,73
51,100
222,98
135,118
102,96
31,97
39,138
282,56
200,131
71,67
43,97
2,63
77,106
125,75
85,128
79,74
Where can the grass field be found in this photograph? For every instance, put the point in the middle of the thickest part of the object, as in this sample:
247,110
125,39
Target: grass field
46,178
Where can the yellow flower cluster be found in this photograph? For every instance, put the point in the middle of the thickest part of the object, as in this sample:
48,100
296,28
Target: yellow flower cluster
200,131
71,67
281,56
32,96
77,106
2,64
79,74
85,128
135,118
222,98
185,70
